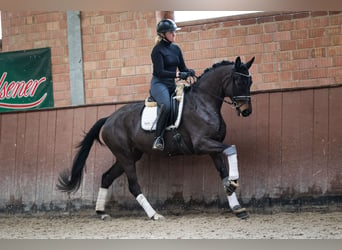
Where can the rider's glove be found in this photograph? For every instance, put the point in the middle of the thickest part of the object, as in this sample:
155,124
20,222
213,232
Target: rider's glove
183,75
191,72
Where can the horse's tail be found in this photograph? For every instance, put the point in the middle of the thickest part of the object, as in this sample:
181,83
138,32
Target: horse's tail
67,183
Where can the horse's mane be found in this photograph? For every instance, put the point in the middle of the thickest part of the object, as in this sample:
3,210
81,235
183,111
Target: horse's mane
214,66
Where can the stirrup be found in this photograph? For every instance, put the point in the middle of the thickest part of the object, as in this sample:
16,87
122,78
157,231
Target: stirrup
158,144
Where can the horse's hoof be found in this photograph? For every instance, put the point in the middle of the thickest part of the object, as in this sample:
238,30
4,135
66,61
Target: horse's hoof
158,217
241,213
102,215
105,217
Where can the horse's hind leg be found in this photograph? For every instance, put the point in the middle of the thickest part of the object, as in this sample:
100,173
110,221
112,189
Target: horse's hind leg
107,179
229,181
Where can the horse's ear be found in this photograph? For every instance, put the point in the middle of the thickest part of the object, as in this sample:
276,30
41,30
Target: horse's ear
249,64
237,62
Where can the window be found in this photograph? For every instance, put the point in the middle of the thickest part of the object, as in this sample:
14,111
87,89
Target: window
183,16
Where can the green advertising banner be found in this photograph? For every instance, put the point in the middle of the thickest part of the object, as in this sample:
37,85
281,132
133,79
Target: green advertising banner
25,80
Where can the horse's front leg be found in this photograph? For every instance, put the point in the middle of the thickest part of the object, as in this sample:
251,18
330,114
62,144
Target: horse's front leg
230,180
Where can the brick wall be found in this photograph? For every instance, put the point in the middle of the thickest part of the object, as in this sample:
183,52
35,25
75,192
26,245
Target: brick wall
296,49
117,47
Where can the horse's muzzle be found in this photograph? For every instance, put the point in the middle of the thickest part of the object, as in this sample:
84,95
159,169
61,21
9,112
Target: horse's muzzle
243,105
246,112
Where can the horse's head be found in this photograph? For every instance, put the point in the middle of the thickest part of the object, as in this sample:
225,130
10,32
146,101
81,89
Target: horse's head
241,84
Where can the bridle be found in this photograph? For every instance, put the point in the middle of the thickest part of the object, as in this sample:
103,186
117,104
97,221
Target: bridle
241,74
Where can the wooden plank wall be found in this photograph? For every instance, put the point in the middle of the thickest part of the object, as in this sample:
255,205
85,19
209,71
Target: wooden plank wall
291,146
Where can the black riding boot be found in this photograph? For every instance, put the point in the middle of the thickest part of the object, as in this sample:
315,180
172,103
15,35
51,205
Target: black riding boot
161,125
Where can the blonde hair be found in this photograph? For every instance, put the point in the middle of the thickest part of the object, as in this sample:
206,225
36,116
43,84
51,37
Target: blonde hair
157,39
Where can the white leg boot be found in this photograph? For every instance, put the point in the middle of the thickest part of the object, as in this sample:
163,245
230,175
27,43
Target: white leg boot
151,213
101,202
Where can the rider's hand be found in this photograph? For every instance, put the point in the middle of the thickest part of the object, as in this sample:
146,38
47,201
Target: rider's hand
183,75
191,72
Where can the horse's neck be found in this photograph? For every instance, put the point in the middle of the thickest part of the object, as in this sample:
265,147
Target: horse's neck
210,91
200,98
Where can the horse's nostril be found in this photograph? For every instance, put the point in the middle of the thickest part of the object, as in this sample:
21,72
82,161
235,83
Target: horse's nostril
246,112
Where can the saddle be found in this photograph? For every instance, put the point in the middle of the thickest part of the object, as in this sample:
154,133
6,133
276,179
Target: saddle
150,111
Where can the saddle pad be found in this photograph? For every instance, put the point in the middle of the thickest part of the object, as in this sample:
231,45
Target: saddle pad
149,118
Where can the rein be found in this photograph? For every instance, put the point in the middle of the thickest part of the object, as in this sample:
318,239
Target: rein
235,99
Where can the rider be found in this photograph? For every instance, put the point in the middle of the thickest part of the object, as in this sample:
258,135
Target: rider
166,58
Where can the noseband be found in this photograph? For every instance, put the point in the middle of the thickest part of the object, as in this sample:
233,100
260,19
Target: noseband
238,99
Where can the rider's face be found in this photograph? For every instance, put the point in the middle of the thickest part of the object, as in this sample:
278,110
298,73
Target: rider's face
171,35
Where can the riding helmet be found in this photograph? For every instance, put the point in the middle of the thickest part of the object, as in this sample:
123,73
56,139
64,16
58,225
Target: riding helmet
166,25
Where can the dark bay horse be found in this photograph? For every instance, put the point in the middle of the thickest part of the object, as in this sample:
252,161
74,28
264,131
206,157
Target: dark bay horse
201,131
